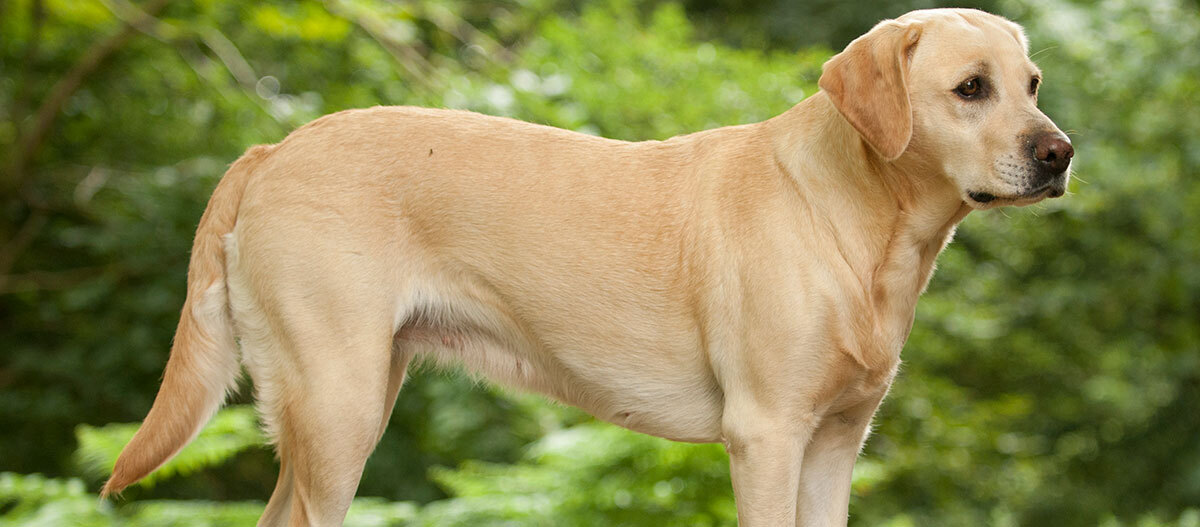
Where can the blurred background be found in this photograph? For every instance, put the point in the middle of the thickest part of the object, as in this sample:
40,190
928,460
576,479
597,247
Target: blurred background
1052,378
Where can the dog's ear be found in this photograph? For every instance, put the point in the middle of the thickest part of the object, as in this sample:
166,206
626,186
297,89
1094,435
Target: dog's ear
868,83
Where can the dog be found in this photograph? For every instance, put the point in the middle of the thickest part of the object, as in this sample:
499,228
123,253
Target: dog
751,285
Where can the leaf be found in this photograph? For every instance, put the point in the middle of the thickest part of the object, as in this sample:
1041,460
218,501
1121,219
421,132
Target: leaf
231,431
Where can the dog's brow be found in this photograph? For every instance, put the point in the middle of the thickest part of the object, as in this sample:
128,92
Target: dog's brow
978,68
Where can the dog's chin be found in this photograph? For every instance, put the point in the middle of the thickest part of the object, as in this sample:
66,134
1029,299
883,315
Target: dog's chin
982,200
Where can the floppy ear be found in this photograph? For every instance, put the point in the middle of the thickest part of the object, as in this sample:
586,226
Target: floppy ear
868,83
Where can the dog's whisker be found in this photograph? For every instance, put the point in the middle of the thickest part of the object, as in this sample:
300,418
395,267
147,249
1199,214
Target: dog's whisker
1043,50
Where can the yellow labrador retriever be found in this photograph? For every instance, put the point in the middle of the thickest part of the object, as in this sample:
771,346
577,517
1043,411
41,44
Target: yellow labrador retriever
751,285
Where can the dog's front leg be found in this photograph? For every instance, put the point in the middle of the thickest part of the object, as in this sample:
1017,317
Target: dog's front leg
824,497
766,447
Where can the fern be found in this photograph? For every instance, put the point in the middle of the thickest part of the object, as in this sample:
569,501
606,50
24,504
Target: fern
233,430
37,500
34,500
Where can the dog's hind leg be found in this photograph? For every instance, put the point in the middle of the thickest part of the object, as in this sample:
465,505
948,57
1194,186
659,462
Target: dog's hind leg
401,356
330,414
280,506
317,339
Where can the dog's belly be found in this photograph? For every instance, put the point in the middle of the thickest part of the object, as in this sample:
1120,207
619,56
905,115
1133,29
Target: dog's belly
646,390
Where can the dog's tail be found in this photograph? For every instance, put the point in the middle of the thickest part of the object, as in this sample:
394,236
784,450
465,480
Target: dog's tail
203,366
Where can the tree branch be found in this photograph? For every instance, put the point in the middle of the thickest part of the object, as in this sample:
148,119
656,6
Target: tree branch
186,41
62,91
446,20
19,242
47,280
419,69
37,18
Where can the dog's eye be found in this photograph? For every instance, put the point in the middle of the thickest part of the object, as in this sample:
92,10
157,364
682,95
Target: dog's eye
970,89
1033,85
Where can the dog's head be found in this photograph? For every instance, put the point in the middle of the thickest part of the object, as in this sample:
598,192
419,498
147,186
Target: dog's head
953,90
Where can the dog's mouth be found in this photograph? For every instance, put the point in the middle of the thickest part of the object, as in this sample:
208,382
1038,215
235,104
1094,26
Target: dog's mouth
981,197
987,199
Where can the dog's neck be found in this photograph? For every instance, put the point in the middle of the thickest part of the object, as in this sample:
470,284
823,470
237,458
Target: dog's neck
902,214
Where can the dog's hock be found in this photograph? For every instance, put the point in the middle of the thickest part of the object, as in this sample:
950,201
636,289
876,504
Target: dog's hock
868,84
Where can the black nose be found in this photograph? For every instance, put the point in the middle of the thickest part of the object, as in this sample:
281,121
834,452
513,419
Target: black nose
1053,150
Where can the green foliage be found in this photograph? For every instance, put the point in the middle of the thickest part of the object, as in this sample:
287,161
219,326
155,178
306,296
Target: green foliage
37,501
1051,377
629,479
231,431
34,500
570,75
